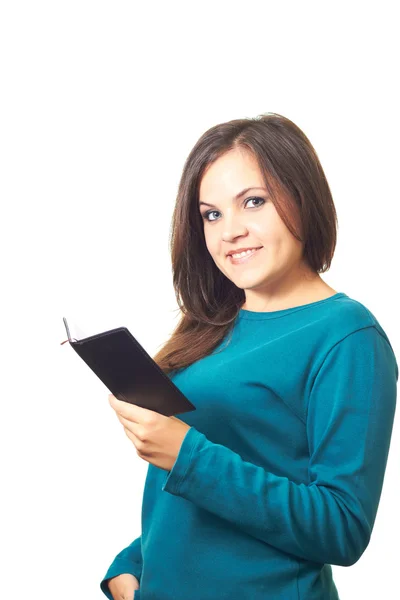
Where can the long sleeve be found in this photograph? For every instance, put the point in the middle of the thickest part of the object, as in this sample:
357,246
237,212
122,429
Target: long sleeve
129,560
349,424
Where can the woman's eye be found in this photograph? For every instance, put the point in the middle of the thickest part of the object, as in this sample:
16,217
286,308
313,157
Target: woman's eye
210,212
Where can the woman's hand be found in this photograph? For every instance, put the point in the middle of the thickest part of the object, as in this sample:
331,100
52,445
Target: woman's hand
122,587
157,438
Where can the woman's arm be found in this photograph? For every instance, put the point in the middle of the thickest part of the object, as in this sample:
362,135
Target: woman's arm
129,560
349,426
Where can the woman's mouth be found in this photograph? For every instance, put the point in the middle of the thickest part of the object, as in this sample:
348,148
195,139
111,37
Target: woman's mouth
245,258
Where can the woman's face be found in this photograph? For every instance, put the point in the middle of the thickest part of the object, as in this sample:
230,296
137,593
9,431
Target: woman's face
248,222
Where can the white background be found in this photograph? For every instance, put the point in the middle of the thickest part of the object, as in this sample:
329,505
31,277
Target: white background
100,104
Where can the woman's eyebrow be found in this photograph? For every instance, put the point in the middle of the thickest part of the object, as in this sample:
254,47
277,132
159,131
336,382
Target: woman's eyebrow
238,196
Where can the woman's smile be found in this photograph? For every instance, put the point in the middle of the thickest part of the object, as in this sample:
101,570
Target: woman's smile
244,259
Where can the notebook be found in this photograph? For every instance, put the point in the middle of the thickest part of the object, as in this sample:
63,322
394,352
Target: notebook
128,371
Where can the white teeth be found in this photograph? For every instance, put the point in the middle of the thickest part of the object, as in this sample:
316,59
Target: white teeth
244,253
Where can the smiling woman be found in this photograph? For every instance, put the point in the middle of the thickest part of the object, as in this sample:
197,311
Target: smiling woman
279,279
263,186
279,471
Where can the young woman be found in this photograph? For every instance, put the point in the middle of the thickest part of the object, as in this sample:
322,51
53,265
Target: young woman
278,473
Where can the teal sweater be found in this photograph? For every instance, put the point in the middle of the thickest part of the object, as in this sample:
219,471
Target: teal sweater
281,473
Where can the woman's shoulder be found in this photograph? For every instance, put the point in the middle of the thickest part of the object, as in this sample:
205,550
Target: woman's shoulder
349,315
351,312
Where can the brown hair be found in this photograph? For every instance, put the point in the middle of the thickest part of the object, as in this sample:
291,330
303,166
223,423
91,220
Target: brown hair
297,185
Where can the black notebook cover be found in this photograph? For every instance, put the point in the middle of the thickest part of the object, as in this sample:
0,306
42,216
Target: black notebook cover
129,372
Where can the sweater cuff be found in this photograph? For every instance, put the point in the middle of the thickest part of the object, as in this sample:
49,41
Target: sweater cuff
119,566
177,474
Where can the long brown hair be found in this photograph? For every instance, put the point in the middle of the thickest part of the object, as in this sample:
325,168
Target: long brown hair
208,300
